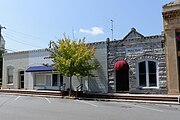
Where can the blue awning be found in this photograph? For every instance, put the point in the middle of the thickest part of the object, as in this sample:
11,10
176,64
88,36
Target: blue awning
39,68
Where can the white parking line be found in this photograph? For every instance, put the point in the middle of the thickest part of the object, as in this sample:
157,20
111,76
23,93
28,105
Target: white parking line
145,107
17,97
48,100
87,103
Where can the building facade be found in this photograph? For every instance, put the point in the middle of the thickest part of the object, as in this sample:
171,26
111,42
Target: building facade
28,70
146,62
171,17
2,49
135,64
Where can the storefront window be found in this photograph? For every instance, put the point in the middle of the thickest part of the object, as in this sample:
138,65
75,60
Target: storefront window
152,73
142,73
10,71
178,39
39,80
47,79
55,79
147,74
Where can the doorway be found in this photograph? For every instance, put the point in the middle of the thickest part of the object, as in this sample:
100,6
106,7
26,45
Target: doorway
122,80
179,71
55,80
121,69
21,79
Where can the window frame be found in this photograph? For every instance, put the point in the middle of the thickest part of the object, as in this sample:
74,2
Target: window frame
9,68
44,76
177,35
147,74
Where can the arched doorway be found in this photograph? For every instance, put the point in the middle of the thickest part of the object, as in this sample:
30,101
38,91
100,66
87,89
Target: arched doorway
121,69
21,79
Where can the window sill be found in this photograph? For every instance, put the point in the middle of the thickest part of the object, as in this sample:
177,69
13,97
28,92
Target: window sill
10,84
140,87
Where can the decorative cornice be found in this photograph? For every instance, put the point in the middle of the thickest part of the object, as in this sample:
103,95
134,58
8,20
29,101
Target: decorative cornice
169,4
148,56
171,14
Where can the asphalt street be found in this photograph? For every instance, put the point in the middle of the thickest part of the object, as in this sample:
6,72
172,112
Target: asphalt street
40,108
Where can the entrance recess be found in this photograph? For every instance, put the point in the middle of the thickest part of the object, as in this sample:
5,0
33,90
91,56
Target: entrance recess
121,69
21,79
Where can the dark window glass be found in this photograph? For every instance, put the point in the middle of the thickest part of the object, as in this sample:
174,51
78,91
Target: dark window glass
142,80
10,75
152,73
21,79
178,40
179,67
1,70
152,80
142,67
61,80
21,72
142,73
55,79
152,67
178,45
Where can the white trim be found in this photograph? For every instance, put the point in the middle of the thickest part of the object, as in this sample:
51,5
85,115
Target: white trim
44,77
10,84
148,87
147,75
45,74
7,74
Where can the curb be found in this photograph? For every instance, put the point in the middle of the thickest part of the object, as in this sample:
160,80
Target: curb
35,95
94,99
135,101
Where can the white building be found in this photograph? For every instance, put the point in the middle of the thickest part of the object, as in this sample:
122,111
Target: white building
28,70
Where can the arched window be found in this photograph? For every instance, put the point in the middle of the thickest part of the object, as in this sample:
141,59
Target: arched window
10,71
147,74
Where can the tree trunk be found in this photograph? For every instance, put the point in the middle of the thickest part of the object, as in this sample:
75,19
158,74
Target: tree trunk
70,85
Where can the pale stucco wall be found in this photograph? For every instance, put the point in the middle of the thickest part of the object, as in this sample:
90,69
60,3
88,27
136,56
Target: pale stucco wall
19,61
23,60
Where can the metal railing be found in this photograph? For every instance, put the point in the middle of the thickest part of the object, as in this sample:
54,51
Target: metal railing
79,88
62,88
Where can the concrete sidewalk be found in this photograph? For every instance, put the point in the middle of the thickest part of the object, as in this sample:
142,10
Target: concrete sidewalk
114,97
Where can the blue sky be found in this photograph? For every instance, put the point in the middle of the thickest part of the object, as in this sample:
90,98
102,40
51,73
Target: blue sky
31,24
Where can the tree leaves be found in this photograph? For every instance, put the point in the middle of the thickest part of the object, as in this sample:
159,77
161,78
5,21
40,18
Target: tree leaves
72,57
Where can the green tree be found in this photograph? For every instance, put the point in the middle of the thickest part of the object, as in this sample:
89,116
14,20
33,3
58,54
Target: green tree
73,58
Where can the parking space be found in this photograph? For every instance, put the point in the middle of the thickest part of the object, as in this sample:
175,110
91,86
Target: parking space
34,108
